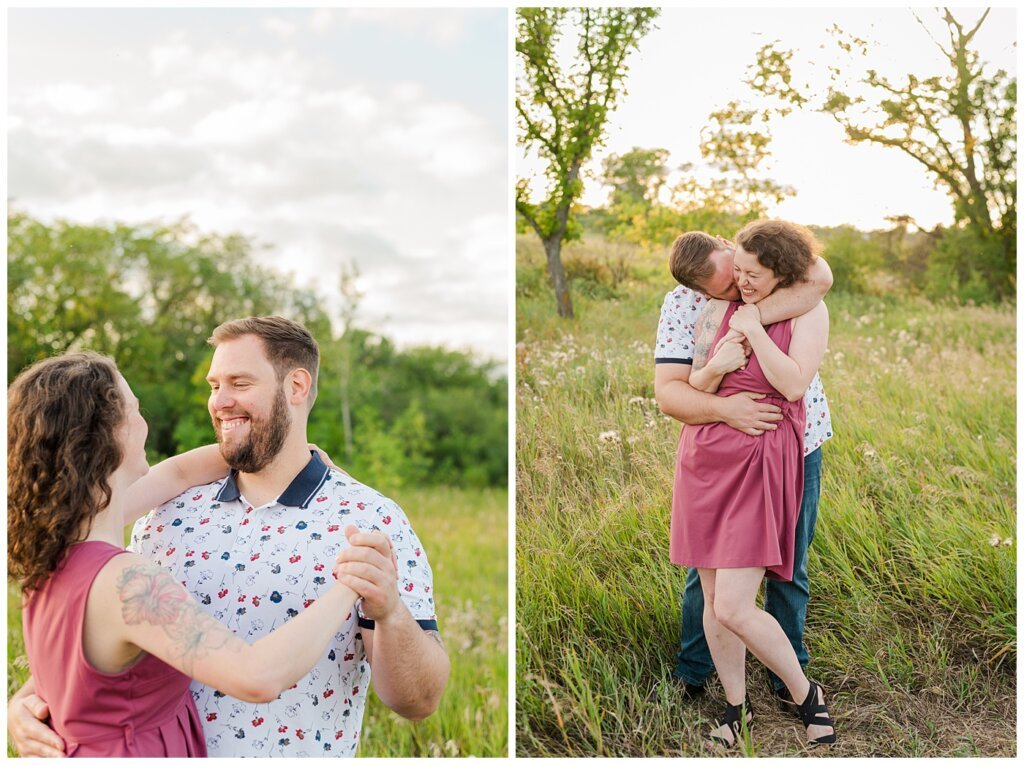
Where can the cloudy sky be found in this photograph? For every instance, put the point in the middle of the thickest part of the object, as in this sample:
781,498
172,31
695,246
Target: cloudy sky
696,60
374,136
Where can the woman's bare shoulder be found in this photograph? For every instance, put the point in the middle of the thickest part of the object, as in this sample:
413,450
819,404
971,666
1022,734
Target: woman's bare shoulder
817,315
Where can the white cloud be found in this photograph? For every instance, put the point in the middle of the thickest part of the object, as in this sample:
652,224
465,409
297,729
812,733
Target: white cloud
442,26
164,58
244,122
318,160
168,101
446,140
321,20
279,26
71,98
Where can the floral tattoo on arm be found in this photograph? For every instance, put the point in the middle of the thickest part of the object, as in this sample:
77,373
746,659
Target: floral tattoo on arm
149,595
704,333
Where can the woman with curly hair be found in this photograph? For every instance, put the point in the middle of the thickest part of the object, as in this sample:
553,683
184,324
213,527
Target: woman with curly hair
737,497
112,639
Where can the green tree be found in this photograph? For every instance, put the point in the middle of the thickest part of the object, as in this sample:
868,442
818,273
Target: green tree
736,145
854,256
562,112
149,296
959,125
635,179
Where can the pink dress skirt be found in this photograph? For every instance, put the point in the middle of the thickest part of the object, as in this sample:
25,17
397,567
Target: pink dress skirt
144,711
736,497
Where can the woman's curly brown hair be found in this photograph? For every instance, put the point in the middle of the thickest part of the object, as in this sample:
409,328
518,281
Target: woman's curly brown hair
63,415
786,249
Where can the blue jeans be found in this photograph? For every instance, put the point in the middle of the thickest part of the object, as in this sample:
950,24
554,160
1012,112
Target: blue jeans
786,601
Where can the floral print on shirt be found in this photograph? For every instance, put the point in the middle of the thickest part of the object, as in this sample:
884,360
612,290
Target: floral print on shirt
253,569
679,313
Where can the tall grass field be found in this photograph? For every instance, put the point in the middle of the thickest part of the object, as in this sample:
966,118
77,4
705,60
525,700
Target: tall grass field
465,534
912,620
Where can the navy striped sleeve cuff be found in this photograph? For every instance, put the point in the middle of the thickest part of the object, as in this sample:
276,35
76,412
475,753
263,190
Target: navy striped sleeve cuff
672,361
425,624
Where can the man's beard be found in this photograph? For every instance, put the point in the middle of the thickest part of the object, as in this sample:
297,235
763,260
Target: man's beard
265,441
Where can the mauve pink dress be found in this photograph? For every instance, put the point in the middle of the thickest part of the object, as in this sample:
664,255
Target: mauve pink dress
145,711
737,497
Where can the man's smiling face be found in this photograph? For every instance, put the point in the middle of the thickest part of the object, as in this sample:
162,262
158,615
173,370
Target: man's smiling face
247,404
721,284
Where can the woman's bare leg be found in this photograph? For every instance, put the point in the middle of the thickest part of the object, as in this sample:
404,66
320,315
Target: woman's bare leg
735,608
727,650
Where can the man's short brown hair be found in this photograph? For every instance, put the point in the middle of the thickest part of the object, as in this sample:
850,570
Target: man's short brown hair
287,344
690,261
788,249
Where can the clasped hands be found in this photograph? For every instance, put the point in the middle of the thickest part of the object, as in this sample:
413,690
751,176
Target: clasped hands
370,568
732,350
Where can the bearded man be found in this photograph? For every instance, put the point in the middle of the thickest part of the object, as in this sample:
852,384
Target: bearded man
258,546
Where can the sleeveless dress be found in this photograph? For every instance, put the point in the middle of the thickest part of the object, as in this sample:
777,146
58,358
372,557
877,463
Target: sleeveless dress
737,497
144,711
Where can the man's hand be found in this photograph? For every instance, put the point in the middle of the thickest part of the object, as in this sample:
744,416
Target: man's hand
30,735
370,568
746,319
744,413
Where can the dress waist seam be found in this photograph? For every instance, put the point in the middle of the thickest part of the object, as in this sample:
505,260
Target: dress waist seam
128,731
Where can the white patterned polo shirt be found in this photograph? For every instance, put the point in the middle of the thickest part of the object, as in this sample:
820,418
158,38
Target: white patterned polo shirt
674,345
253,569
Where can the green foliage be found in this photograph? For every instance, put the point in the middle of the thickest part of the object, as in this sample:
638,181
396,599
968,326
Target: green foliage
737,150
465,535
853,257
635,179
967,266
150,296
561,111
588,275
960,125
391,457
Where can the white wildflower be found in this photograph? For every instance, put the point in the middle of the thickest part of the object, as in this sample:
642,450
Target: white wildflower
610,436
638,400
994,540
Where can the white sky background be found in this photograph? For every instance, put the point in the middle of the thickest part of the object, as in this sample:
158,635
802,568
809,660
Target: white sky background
695,63
377,136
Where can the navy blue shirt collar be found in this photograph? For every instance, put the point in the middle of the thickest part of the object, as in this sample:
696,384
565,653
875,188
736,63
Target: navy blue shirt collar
300,491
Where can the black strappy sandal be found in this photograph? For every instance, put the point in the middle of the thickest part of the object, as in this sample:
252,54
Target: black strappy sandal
732,719
813,713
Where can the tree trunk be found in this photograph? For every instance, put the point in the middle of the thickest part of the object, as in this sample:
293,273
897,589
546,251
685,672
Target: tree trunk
553,250
346,415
